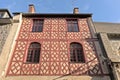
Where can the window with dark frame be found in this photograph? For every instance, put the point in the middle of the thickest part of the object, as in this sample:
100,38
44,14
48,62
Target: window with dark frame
76,52
33,55
72,25
37,25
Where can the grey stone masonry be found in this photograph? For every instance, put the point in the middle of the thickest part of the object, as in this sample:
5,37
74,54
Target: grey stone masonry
116,68
92,27
107,27
108,48
4,31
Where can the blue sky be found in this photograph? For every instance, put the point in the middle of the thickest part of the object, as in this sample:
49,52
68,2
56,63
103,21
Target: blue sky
102,10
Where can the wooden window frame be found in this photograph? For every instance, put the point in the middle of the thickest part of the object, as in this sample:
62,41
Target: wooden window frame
38,25
76,53
33,53
72,25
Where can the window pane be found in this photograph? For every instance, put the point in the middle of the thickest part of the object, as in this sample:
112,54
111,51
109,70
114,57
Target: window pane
76,27
33,52
36,55
40,28
72,25
69,28
29,57
37,25
34,28
76,52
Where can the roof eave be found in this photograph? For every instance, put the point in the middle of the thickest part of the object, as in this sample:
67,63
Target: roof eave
7,12
83,15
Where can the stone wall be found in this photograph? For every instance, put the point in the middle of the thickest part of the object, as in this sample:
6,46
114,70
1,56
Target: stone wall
9,46
115,44
111,44
4,31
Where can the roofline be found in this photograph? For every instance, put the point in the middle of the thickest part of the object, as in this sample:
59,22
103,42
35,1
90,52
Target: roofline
106,22
7,12
82,15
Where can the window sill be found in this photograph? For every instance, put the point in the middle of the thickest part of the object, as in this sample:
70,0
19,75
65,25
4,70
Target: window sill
30,63
77,62
73,31
36,31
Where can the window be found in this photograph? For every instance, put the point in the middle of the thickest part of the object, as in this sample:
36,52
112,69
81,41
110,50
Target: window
33,53
72,25
76,52
1,14
37,25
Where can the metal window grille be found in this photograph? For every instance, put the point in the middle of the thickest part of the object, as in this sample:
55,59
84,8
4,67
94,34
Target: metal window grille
37,25
72,25
34,53
76,52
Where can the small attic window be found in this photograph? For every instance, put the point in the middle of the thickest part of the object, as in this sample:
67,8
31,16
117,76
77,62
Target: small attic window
1,14
4,15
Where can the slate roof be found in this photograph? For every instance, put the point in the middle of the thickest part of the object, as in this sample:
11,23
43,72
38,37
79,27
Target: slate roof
6,10
81,15
107,27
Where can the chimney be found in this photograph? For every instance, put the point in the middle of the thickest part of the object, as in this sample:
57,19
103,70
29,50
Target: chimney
31,8
76,11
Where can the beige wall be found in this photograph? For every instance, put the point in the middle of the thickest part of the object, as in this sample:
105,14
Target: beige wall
56,78
4,31
8,47
115,44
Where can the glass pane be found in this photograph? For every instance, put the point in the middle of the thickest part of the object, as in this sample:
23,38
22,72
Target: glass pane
35,45
37,25
33,29
76,52
36,55
29,57
72,25
75,27
33,52
69,28
40,28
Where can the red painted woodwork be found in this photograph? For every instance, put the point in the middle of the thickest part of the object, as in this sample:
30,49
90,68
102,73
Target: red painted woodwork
55,45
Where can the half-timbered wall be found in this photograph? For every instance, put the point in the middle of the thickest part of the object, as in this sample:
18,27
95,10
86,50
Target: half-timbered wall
55,49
